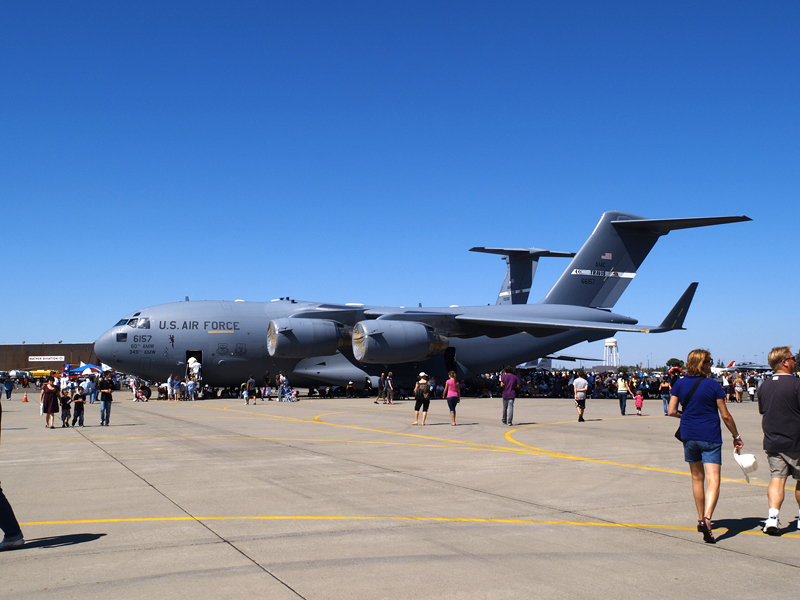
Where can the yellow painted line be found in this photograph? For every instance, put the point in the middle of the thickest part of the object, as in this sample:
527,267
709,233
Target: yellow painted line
276,439
510,438
460,444
317,420
397,519
413,435
221,331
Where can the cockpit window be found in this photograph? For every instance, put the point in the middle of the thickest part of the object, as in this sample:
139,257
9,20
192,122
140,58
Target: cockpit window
122,322
143,324
132,323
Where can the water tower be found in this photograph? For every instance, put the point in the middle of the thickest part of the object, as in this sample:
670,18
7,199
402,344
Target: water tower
611,353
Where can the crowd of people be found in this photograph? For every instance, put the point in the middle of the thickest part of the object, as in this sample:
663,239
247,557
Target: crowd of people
284,392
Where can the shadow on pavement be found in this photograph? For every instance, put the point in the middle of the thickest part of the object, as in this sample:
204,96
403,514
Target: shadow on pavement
737,526
57,541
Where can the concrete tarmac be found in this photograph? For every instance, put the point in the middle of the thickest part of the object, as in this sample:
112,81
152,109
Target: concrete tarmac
329,499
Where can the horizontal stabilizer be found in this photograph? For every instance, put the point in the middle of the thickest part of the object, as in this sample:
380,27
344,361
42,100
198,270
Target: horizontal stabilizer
667,225
523,252
522,263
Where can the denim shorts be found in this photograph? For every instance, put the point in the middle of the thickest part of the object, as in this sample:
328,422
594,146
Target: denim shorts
705,452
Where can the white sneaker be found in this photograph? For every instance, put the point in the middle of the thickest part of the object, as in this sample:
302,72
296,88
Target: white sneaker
772,526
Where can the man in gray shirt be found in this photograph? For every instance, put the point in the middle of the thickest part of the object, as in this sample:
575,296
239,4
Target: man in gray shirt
581,390
779,405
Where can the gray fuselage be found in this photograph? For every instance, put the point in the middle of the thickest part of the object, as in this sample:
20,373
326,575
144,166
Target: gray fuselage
230,340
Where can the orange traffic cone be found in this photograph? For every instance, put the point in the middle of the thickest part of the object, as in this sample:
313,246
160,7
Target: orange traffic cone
25,398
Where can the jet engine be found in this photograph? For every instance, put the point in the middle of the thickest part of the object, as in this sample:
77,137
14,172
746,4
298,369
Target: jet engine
301,338
389,342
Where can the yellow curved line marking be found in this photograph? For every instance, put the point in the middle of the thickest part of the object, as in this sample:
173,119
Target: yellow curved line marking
415,435
510,438
525,448
317,419
389,518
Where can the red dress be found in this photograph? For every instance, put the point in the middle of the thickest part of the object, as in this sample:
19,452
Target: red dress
50,399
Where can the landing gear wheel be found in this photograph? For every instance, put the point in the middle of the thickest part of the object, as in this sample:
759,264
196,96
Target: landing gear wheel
145,392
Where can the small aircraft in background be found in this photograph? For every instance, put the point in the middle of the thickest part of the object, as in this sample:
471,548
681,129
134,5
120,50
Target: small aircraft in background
318,343
743,367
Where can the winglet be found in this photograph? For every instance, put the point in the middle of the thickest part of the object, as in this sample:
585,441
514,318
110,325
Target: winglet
674,320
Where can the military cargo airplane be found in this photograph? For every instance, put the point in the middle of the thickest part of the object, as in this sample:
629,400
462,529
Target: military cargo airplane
317,343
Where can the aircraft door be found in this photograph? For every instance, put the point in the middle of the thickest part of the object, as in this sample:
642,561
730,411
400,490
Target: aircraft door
450,359
194,357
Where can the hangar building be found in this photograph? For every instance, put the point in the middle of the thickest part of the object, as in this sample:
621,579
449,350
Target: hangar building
30,357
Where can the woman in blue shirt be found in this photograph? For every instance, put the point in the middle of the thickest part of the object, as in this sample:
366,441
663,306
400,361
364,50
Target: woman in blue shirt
702,402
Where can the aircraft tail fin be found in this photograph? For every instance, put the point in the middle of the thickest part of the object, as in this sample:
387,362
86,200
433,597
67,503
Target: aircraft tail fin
609,259
522,263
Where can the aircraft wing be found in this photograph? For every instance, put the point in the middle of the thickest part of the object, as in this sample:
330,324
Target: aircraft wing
573,358
536,324
430,317
545,326
546,361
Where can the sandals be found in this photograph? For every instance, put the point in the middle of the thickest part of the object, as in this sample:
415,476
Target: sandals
704,527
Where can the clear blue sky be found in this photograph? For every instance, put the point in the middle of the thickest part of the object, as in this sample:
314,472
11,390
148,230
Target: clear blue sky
354,152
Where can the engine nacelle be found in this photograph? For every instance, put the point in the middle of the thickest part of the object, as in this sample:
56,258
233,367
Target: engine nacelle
301,338
390,342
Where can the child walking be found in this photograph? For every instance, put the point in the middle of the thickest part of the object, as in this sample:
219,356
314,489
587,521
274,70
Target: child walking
78,403
66,413
639,399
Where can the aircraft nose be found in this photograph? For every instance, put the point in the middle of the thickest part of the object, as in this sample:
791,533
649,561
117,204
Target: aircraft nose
104,348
